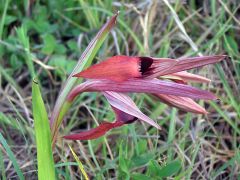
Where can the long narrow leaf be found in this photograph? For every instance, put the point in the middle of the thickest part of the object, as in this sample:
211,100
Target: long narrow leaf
11,157
46,168
2,168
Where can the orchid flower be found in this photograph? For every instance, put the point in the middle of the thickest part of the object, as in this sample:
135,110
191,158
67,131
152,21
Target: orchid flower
164,78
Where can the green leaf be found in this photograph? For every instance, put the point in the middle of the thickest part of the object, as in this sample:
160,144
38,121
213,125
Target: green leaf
24,40
8,120
15,62
60,49
141,160
154,169
64,66
72,45
142,145
231,44
43,136
3,17
9,19
9,78
170,169
22,36
138,176
49,44
124,164
2,168
11,157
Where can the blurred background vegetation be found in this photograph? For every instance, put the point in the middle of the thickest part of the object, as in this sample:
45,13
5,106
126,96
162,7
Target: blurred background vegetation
46,38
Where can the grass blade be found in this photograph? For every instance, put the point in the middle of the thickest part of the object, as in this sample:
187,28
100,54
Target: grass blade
2,168
79,164
12,157
24,40
3,17
43,137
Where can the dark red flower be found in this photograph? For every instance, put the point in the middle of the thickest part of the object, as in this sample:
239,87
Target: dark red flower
124,74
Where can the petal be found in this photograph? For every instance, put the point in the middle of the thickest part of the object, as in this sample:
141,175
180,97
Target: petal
116,68
187,77
95,132
122,118
154,86
158,66
181,64
124,103
183,103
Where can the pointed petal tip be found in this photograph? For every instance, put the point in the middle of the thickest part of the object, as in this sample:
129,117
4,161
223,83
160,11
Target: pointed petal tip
213,97
182,103
187,77
159,128
203,111
206,112
223,57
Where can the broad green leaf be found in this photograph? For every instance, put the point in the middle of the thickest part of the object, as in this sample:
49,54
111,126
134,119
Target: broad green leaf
170,169
138,176
60,49
9,19
155,170
46,168
49,44
63,64
142,159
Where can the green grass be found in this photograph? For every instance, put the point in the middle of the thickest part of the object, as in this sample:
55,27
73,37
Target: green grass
11,157
47,39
